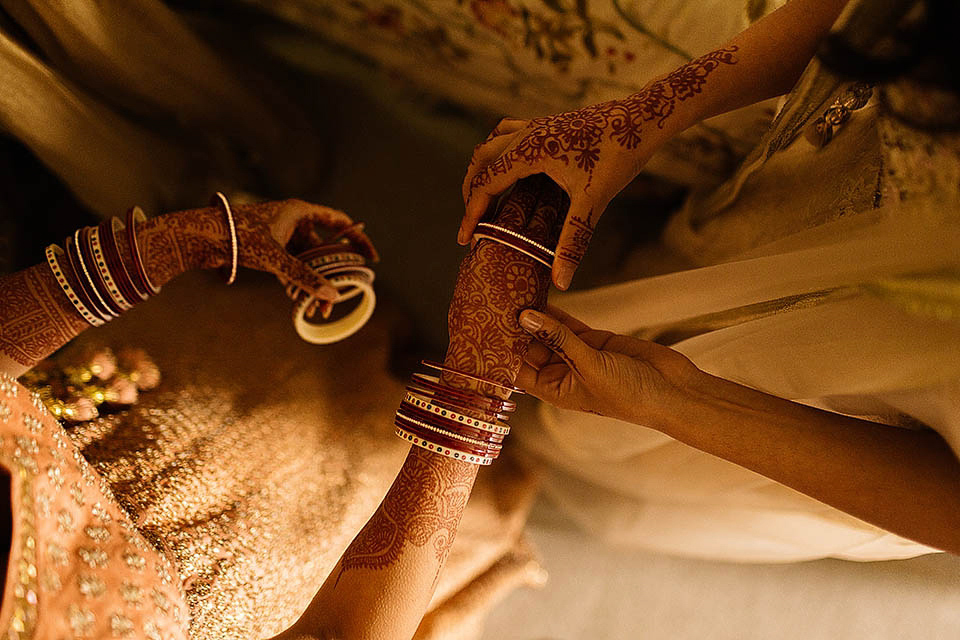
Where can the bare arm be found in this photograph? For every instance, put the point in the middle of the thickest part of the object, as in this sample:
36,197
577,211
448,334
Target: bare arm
383,583
901,480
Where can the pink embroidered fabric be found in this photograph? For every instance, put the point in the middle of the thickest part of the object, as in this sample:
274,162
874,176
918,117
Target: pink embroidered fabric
77,567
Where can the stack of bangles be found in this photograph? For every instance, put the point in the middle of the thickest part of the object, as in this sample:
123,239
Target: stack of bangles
515,240
346,269
93,274
452,422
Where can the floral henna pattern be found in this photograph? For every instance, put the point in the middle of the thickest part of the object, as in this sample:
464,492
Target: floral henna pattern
423,507
35,318
577,136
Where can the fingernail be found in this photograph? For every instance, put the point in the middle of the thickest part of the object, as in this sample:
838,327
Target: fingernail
531,320
327,310
461,239
564,276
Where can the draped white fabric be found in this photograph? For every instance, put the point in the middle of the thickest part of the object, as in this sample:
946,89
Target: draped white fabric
847,341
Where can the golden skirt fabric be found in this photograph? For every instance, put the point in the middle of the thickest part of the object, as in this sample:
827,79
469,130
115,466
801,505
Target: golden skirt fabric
260,456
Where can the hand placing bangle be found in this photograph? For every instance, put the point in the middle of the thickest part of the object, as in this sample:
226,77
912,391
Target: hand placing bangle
575,367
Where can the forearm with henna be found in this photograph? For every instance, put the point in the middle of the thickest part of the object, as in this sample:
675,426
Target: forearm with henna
396,558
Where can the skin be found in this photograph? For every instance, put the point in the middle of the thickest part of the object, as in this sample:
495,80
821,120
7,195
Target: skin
382,585
904,481
594,152
36,318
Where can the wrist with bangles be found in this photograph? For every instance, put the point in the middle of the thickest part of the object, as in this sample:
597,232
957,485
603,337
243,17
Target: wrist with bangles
101,281
453,422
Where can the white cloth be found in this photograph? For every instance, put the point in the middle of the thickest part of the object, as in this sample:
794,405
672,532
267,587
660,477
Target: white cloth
851,345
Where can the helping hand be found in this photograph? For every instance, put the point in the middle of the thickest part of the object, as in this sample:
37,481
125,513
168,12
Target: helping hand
591,153
575,367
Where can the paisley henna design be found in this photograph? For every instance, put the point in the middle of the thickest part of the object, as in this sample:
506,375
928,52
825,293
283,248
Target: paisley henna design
423,507
35,318
494,284
577,136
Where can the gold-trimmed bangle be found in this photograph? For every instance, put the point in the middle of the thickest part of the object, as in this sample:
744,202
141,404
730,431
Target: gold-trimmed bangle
135,215
234,249
515,247
448,434
108,315
518,236
67,289
422,402
100,258
444,451
444,368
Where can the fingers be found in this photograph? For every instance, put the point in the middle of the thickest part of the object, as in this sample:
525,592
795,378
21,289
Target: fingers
490,149
560,339
493,180
295,272
574,240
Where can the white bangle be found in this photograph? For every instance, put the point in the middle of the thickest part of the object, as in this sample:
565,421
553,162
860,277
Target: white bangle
108,313
444,451
232,227
422,403
72,296
337,330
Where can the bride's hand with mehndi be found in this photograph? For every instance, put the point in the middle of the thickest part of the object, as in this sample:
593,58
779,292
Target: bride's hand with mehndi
268,236
575,367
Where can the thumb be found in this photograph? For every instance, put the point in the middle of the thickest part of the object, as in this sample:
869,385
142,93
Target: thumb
559,338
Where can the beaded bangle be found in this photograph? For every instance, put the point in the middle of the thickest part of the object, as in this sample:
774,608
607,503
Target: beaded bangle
516,241
112,251
445,429
444,440
99,256
96,300
424,404
473,400
51,253
232,227
134,216
447,443
447,433
444,451
81,285
93,273
446,369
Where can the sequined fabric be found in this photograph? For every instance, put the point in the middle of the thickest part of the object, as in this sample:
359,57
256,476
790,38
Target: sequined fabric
78,568
260,456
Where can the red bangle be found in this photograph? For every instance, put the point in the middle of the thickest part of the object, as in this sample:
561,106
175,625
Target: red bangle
111,249
93,272
452,426
515,241
432,383
134,215
443,451
84,287
436,438
469,376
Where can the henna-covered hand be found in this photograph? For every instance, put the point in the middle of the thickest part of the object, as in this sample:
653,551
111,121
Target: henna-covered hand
592,153
266,234
496,282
